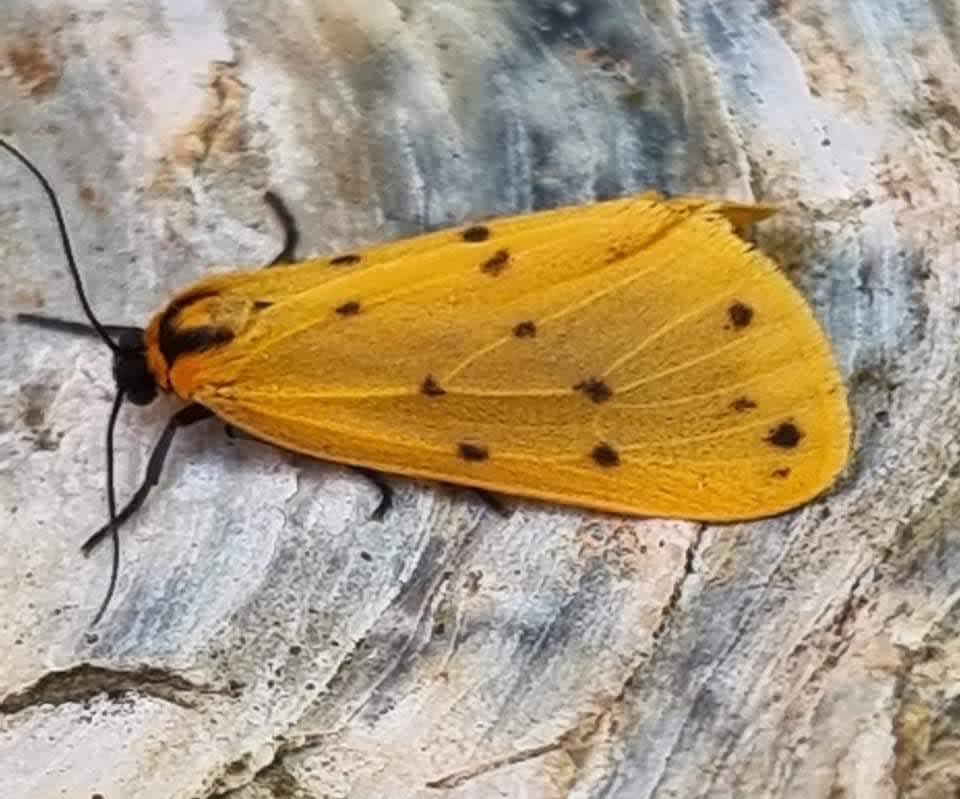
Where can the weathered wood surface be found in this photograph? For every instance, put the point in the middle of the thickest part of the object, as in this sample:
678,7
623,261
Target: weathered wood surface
268,639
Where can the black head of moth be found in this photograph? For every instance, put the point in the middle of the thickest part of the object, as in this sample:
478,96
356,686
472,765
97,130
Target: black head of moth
130,370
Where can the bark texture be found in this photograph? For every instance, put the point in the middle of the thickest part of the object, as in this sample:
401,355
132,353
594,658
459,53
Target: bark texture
268,638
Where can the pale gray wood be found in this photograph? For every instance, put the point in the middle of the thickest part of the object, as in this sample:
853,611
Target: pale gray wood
268,639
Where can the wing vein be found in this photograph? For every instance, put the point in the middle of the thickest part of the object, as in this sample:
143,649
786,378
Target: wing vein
656,238
349,431
727,388
706,356
675,322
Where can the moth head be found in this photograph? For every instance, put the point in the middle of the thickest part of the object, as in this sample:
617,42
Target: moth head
130,370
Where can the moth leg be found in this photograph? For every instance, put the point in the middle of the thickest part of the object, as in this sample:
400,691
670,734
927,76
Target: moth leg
182,418
492,501
291,235
386,492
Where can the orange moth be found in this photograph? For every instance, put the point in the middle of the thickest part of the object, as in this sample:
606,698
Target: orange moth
633,356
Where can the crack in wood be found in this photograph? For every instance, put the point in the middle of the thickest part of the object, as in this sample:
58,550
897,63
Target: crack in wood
84,682
926,720
676,594
385,650
274,776
458,778
666,615
574,743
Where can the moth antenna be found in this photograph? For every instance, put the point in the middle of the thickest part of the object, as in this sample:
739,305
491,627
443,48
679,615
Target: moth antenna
74,328
97,328
112,508
65,241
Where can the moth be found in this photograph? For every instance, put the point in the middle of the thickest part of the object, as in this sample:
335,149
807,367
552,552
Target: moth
634,355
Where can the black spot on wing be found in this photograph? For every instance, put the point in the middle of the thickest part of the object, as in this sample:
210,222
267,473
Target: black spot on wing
742,404
525,330
595,389
476,233
785,435
605,455
740,315
472,452
496,263
616,252
431,388
781,474
262,305
174,342
173,309
194,340
347,259
351,308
